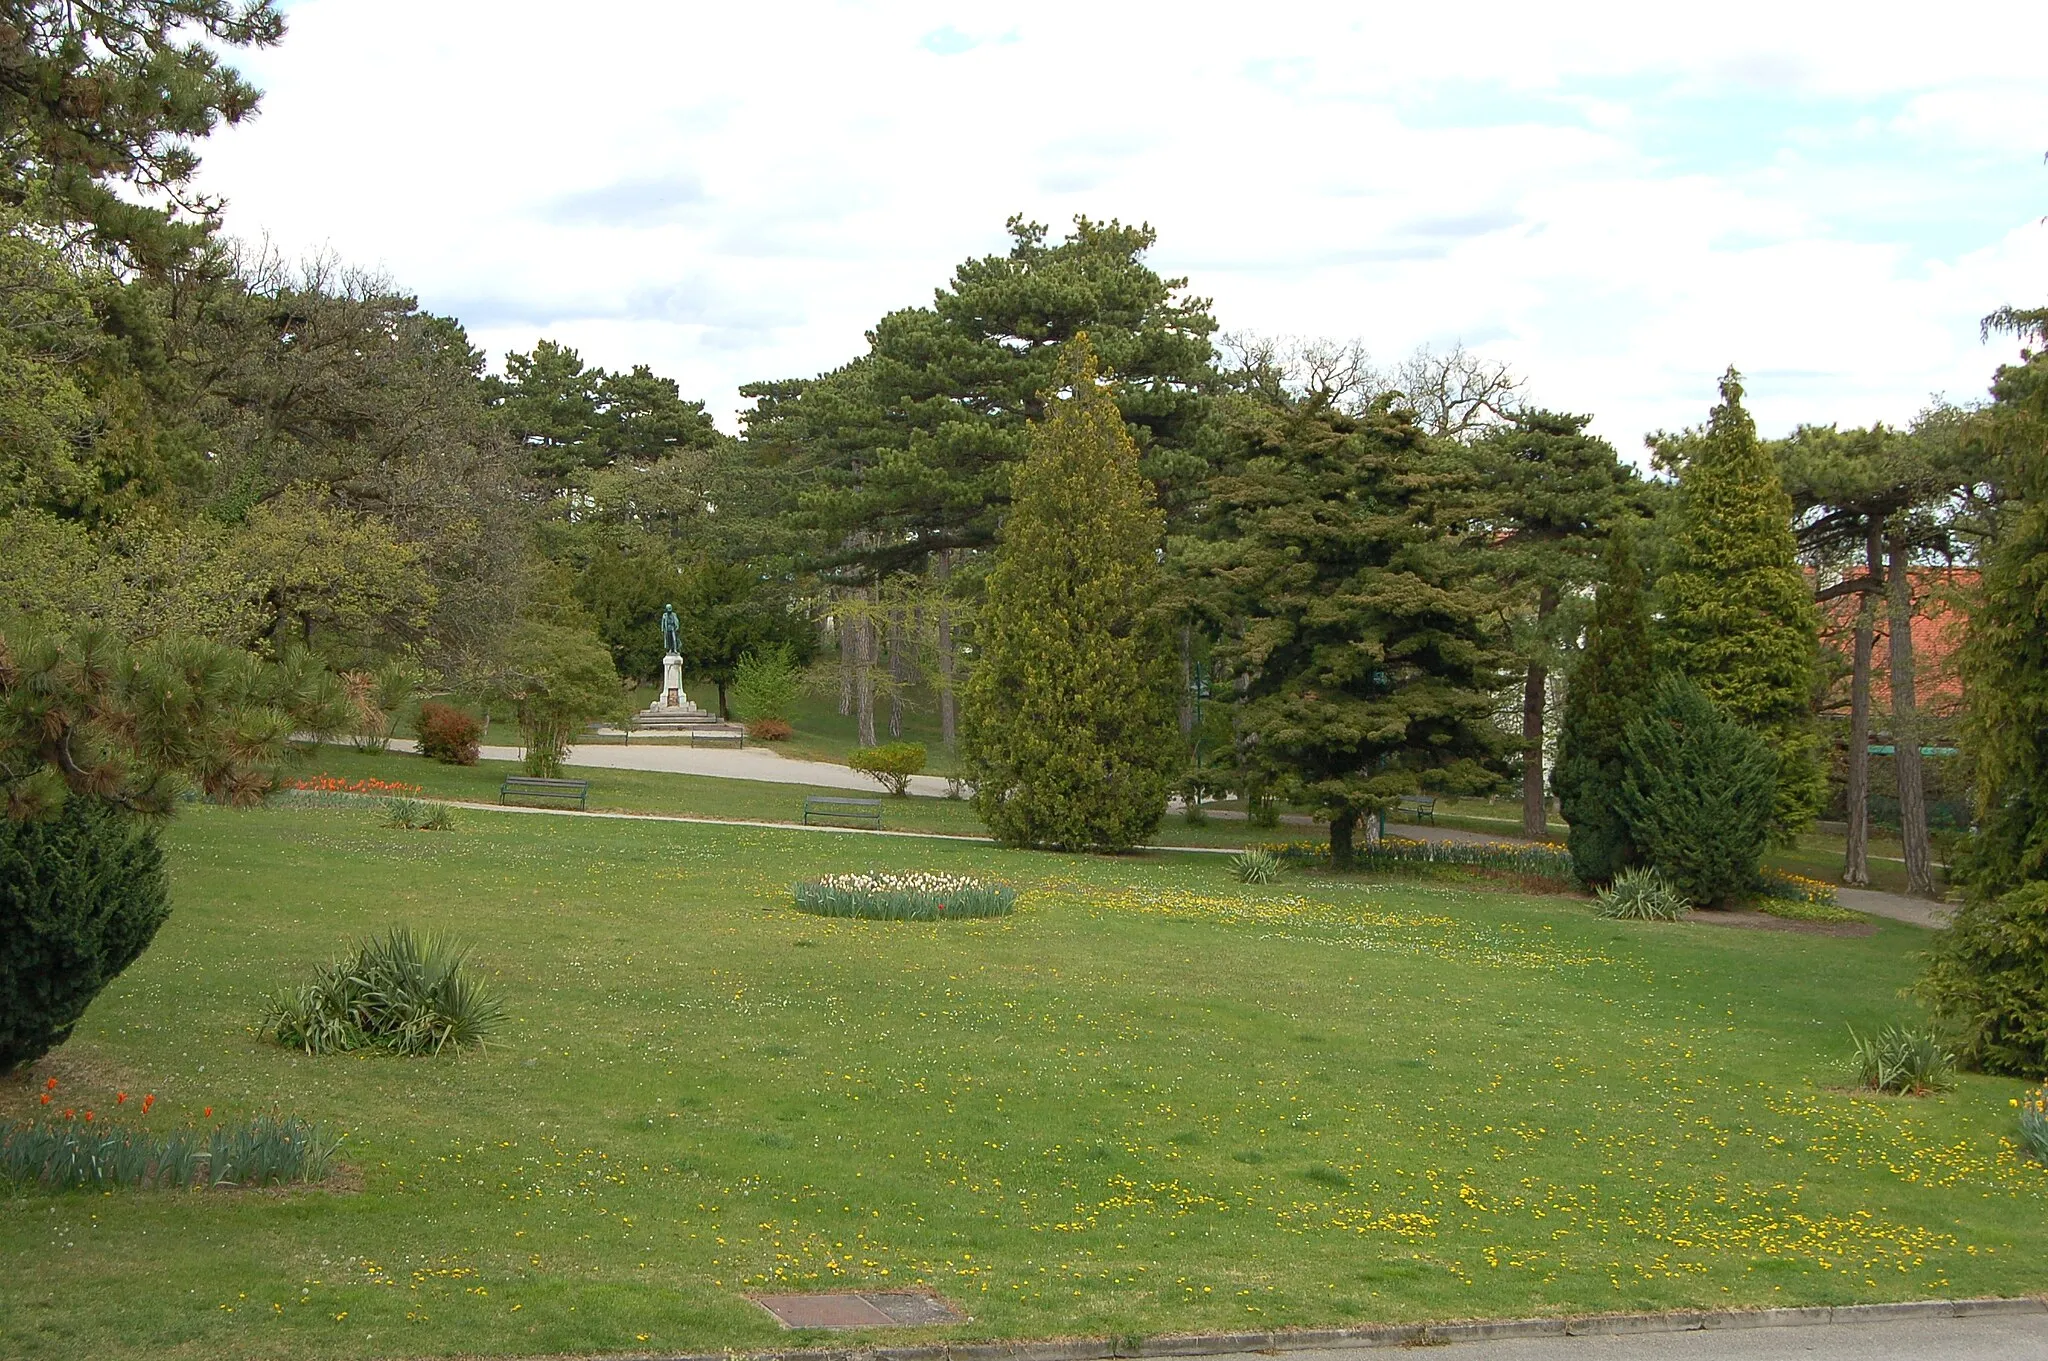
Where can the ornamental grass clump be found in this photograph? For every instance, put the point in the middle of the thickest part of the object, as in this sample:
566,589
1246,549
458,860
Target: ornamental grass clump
401,993
2033,1108
1255,865
1896,1059
904,897
266,1150
1641,895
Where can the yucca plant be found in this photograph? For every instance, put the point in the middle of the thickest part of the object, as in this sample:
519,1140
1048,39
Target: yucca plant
1255,865
403,992
1897,1059
1640,894
2033,1109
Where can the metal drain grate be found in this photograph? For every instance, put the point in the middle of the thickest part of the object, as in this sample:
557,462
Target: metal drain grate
861,1309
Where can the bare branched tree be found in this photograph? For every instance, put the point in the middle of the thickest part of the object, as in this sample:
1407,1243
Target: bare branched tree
1457,394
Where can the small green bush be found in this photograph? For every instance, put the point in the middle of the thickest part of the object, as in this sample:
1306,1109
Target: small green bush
1896,1059
402,993
1698,792
891,764
2033,1109
765,685
81,896
1255,865
67,1155
1988,980
447,734
904,897
417,815
1641,894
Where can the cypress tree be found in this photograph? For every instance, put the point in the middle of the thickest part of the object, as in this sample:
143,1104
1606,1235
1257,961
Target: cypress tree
1603,695
1696,793
1068,730
1739,617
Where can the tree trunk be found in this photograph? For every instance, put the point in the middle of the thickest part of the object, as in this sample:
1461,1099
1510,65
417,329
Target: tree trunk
1535,694
948,706
844,628
864,659
1856,864
1906,728
1187,682
1341,828
897,629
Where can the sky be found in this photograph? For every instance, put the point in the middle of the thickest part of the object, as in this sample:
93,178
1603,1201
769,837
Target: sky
1617,200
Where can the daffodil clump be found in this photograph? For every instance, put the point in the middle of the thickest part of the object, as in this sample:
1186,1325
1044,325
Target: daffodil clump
2033,1108
1536,859
919,897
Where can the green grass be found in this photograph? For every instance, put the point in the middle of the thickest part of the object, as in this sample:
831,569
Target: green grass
1151,1100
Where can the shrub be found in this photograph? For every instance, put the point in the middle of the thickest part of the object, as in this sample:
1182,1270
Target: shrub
2033,1108
765,685
402,993
377,697
69,1155
1988,979
447,734
1698,793
417,815
1255,865
1641,894
891,764
904,897
770,730
81,896
1900,1060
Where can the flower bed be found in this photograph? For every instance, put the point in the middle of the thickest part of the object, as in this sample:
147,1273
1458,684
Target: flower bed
327,791
71,1154
1531,859
904,897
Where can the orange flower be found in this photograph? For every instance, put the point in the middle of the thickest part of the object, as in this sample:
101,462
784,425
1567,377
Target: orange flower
51,1085
209,1113
68,1114
148,1100
46,1098
88,1116
119,1097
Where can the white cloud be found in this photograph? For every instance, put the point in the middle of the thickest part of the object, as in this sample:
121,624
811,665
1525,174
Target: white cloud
1619,200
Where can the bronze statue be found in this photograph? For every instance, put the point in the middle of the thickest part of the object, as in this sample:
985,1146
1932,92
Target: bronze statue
671,630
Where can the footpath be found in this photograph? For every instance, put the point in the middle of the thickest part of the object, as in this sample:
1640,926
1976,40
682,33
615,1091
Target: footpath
759,763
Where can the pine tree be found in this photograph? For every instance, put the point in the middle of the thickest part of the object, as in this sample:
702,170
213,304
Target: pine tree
1356,622
1739,618
1604,694
1069,725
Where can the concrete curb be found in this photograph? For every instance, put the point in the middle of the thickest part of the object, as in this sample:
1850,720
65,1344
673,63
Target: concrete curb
1373,1335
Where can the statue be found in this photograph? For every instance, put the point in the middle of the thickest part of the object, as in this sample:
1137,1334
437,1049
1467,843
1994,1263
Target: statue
671,631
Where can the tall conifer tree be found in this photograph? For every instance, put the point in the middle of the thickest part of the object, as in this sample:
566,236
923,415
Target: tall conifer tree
1069,726
1604,694
1739,617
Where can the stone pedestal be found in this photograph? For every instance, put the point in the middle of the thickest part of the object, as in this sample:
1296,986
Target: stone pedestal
672,696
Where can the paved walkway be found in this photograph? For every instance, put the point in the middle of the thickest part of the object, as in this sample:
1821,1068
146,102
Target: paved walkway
761,763
2021,1337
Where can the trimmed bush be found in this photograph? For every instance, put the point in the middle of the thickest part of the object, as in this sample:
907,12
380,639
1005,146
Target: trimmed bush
67,1155
402,993
770,730
81,896
1640,894
447,734
1988,979
904,897
1698,794
1896,1059
1255,865
891,764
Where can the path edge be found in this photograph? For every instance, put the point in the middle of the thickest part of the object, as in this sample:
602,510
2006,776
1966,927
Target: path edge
1371,1335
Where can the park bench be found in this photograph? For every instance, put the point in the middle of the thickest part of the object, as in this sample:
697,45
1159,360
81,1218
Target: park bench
1418,807
718,739
851,810
533,787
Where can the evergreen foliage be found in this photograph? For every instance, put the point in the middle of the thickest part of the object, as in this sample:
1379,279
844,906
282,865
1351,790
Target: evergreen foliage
1604,694
1738,615
1696,794
2005,658
1357,624
1988,979
81,896
1069,719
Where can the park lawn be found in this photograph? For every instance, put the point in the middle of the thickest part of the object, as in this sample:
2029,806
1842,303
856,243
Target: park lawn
1152,1100
705,796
